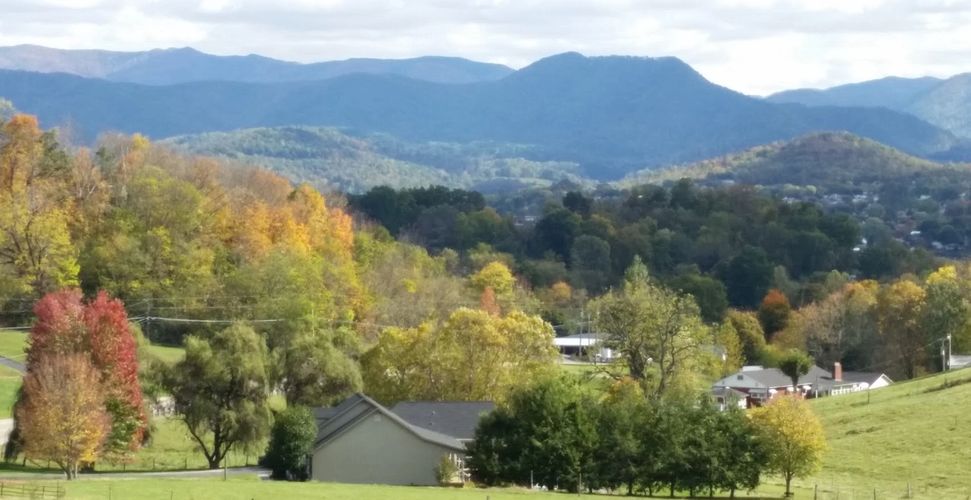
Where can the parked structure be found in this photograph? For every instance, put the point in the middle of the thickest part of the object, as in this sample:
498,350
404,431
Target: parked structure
361,441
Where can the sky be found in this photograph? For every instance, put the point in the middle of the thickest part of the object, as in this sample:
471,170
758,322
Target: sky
753,46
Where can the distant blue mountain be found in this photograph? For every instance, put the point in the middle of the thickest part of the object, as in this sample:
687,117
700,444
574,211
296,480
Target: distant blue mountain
173,66
945,103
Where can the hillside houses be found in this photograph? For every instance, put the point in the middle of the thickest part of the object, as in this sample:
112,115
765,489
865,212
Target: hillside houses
755,385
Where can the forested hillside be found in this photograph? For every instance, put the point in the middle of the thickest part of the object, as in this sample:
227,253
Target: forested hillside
611,115
355,163
894,196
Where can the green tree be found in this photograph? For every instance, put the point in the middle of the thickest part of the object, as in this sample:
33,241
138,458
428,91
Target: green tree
547,432
791,436
621,418
795,364
742,456
657,332
750,333
221,391
948,312
291,442
747,277
590,262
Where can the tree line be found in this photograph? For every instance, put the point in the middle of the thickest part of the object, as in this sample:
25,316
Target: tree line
558,434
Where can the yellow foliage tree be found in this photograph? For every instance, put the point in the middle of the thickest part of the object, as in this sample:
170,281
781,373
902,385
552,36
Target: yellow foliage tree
473,355
792,436
62,416
495,275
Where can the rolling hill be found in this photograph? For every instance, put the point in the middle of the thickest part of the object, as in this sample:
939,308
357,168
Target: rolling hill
331,157
826,160
612,115
183,65
944,103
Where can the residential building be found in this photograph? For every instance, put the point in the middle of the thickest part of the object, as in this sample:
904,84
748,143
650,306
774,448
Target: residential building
361,441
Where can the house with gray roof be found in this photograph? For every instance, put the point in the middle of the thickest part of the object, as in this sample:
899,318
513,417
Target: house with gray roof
758,384
361,441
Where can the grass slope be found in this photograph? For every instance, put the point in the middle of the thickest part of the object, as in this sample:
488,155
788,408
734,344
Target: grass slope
916,432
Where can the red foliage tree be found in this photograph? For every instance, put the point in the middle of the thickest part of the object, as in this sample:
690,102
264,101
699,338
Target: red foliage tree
98,329
774,313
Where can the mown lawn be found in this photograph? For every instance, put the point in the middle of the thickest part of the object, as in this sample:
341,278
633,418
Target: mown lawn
13,344
166,354
9,384
254,489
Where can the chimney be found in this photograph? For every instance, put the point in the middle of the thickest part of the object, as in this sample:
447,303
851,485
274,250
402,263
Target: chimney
838,371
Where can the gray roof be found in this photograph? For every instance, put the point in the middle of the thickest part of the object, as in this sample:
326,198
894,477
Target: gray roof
332,422
453,418
773,377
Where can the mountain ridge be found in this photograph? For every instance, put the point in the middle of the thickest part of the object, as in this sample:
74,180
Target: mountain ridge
185,64
945,103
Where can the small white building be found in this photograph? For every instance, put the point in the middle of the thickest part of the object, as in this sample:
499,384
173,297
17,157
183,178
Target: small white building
584,344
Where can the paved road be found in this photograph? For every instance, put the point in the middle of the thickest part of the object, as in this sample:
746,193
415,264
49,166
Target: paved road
13,363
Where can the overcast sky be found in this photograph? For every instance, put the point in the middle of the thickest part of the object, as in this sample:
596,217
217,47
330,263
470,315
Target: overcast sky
754,46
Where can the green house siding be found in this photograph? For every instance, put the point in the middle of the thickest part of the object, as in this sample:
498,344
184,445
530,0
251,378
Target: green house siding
377,450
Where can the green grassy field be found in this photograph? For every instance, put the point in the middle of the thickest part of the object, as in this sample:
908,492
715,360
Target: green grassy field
9,383
250,488
166,354
917,432
13,344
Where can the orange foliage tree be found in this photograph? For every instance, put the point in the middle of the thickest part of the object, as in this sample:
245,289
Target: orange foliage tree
62,414
97,330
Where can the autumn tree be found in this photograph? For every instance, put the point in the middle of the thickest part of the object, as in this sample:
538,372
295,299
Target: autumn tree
791,436
842,326
221,391
657,332
473,355
774,313
948,312
61,415
900,309
99,331
36,251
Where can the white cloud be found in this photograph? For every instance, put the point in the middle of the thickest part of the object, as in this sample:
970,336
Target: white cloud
755,46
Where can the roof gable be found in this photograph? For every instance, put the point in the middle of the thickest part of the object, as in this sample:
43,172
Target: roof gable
332,422
452,418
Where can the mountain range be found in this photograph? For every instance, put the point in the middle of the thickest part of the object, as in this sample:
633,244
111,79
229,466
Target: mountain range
945,103
183,65
611,115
